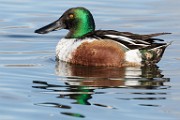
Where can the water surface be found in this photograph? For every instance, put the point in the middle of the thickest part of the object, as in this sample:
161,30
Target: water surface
34,86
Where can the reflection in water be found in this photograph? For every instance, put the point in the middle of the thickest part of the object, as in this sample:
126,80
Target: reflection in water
80,83
148,77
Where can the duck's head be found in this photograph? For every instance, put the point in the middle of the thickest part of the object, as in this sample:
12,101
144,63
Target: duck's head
79,21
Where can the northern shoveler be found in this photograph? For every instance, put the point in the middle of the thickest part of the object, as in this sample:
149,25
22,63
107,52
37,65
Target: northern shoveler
86,46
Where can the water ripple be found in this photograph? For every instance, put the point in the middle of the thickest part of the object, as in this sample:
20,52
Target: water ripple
55,105
73,114
106,106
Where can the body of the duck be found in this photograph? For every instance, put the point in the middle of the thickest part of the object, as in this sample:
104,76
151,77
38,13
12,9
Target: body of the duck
86,46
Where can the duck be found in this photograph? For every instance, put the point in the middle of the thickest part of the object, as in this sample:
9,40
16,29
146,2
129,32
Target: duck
86,46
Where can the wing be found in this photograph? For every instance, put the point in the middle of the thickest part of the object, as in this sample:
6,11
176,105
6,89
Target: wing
130,40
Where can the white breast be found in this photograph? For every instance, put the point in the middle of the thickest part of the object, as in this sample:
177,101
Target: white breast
66,47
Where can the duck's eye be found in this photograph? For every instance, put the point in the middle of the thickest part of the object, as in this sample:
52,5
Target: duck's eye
71,16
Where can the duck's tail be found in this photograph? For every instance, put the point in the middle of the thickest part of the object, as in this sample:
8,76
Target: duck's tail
154,55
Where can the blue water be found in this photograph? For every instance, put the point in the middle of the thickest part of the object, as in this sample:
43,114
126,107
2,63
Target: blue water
34,86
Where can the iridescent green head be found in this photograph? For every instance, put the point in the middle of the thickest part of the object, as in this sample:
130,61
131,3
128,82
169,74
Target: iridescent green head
79,21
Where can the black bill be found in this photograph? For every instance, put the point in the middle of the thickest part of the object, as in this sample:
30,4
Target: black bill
56,25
